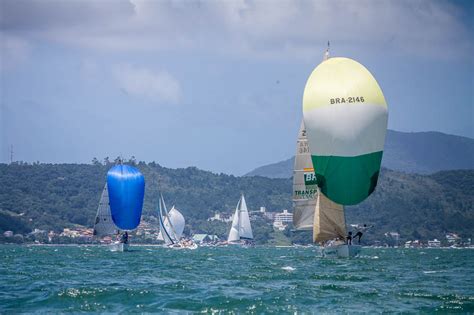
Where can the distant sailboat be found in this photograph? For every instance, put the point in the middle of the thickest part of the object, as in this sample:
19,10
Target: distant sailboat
176,220
241,229
171,227
167,231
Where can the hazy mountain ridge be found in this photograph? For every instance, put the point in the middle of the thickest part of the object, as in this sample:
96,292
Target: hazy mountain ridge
54,196
415,152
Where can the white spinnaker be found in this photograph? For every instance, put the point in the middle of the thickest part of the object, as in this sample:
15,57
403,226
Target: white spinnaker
245,231
104,225
234,229
177,222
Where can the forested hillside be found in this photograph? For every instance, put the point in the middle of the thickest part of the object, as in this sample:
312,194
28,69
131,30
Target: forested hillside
54,196
410,152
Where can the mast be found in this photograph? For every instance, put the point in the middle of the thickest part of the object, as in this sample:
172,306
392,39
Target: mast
326,54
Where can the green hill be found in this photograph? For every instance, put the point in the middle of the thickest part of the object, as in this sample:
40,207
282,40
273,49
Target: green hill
410,152
54,196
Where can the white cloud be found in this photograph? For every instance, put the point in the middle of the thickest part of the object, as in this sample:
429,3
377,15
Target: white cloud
288,28
154,86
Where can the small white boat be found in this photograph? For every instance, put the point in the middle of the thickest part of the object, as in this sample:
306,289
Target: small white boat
340,251
118,247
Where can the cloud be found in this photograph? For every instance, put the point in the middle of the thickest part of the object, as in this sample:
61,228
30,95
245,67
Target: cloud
254,28
141,82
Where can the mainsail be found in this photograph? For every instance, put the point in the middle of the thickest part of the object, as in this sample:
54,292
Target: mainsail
304,184
176,220
240,229
329,220
103,221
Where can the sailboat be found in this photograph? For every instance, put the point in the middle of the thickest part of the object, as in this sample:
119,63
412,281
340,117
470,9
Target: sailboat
314,211
167,231
171,227
121,203
345,116
241,230
173,219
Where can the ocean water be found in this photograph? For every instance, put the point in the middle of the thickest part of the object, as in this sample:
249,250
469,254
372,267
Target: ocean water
233,280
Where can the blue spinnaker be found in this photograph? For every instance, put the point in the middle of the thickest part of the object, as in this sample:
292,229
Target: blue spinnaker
126,191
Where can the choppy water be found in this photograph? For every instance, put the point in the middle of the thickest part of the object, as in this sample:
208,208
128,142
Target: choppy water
213,280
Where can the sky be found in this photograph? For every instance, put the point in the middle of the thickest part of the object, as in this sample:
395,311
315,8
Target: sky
216,84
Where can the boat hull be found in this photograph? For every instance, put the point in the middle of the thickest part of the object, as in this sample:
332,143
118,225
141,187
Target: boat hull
341,251
118,247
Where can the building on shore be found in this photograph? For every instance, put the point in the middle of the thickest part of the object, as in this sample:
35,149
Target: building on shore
282,220
205,238
221,217
453,239
434,243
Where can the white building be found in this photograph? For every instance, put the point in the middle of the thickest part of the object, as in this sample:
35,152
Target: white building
282,219
220,217
434,243
453,238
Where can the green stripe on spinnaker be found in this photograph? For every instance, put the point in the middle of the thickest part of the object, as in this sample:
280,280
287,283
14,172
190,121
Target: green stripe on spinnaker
347,180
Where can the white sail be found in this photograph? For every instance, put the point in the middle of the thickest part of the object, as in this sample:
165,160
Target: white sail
304,184
104,225
177,221
234,229
329,220
245,231
241,228
168,234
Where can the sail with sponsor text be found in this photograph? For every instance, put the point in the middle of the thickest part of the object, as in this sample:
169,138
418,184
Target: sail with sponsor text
346,115
304,184
312,210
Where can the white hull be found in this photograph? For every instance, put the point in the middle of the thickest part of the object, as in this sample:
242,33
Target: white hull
179,246
118,247
341,251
